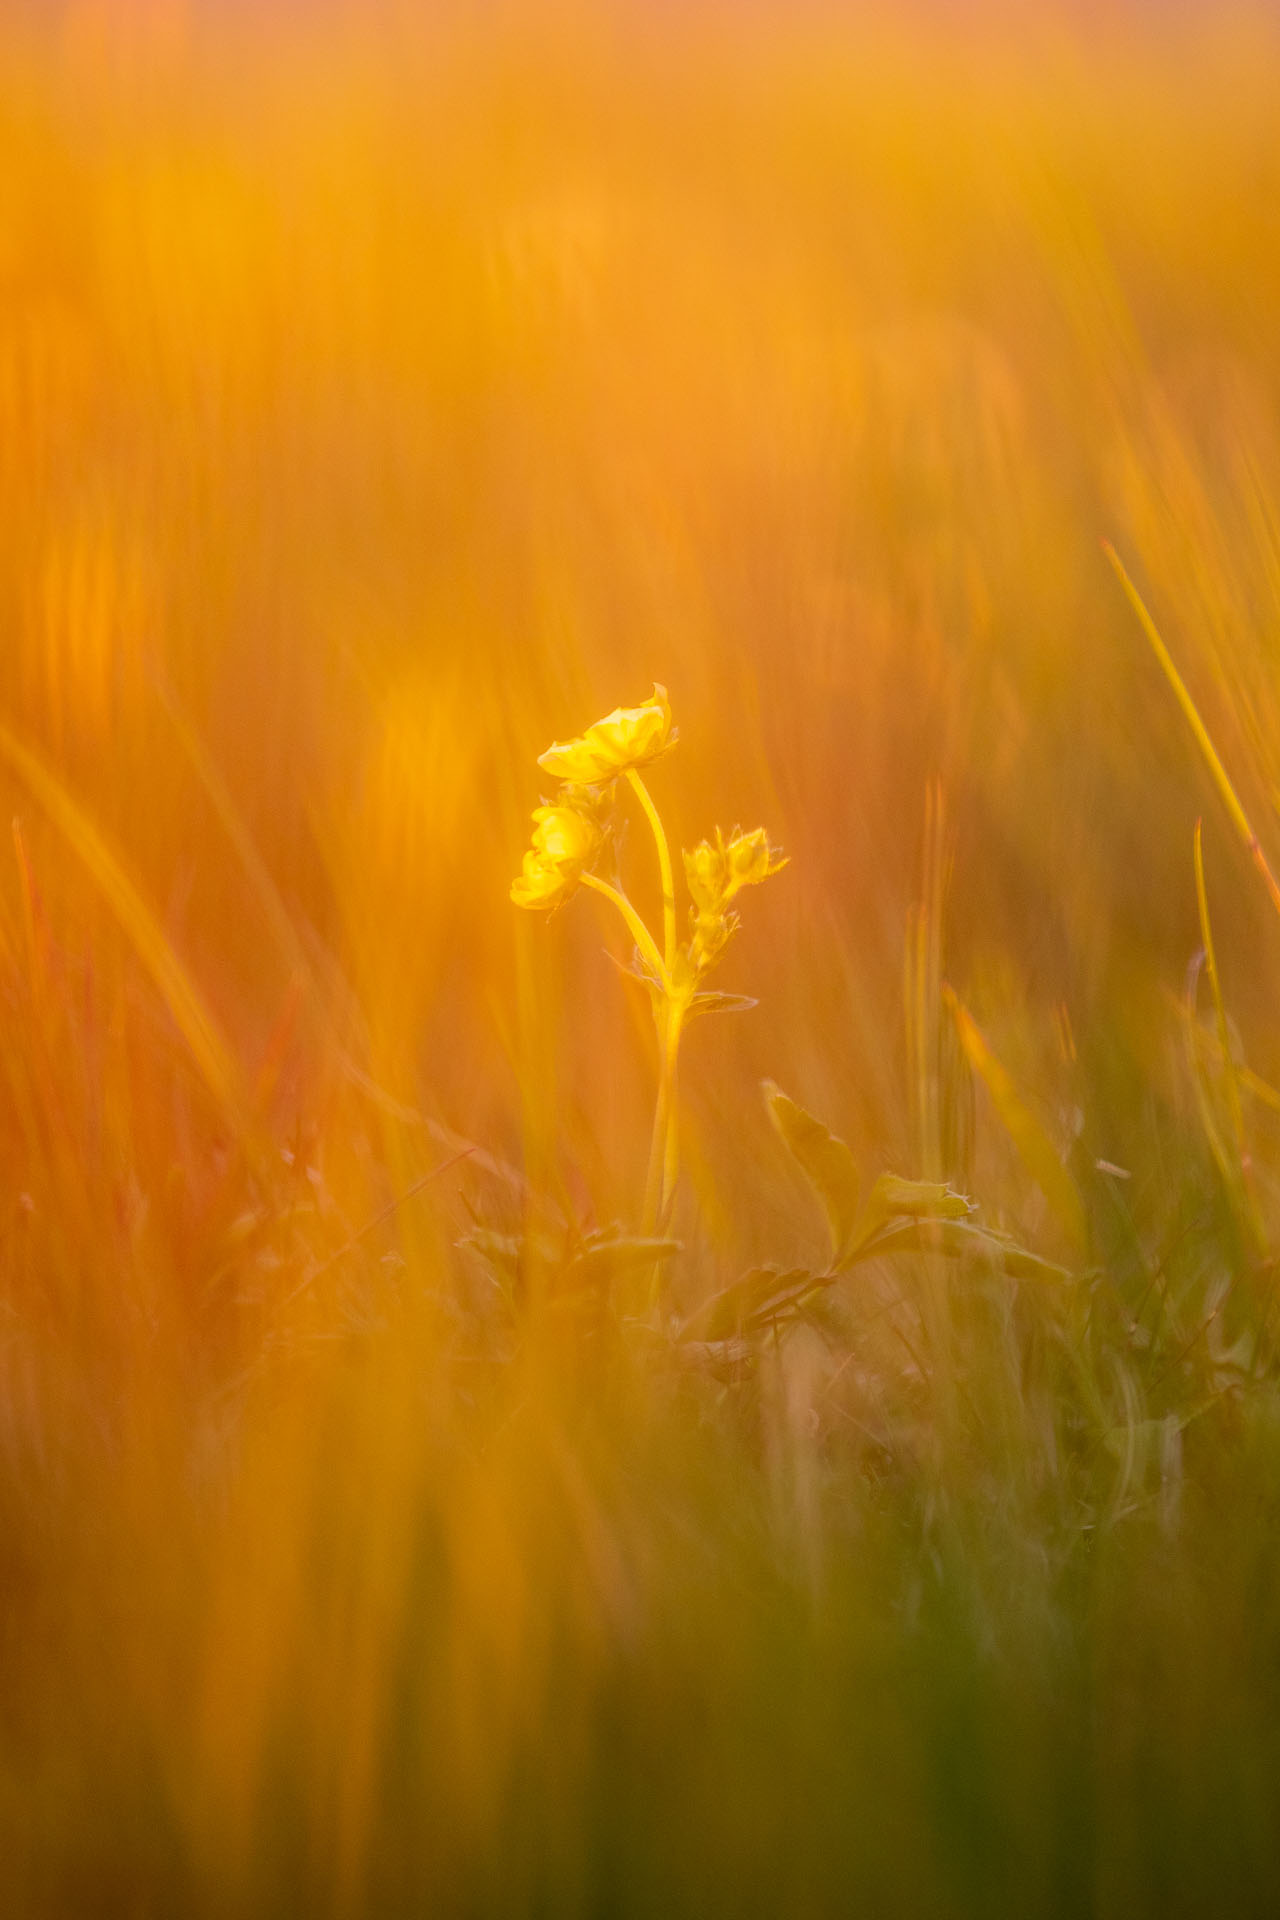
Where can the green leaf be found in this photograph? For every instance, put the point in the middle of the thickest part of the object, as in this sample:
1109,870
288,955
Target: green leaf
793,1296
892,1198
959,1239
580,1262
727,1360
964,1239
826,1163
744,1301
605,1257
924,1199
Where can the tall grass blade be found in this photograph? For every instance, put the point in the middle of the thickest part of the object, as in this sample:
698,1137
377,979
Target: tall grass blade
136,920
1035,1149
1230,1078
1221,778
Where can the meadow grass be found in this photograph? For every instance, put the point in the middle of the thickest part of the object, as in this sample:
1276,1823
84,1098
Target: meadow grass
408,1505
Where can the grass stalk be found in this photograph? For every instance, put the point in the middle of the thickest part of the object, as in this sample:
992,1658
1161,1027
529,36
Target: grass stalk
1221,778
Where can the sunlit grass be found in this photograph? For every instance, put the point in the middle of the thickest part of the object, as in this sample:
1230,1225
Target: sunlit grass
431,1481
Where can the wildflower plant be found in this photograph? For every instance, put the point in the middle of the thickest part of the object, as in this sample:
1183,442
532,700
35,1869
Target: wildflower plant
574,837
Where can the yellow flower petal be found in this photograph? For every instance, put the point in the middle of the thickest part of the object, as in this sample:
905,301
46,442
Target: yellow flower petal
565,835
627,737
564,842
541,883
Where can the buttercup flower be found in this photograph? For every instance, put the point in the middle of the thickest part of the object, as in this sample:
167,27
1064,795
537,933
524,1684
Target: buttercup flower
627,737
564,843
567,840
564,835
540,883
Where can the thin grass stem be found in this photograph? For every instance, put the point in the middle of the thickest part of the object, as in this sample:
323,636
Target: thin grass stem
1230,1080
1221,778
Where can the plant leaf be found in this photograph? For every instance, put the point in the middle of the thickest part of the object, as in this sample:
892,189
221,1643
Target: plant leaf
721,1003
727,1360
826,1162
737,1306
893,1198
959,1239
604,1258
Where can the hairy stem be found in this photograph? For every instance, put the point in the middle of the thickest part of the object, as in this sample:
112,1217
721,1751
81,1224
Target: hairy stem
654,1178
642,794
641,934
668,1014
671,1135
664,1147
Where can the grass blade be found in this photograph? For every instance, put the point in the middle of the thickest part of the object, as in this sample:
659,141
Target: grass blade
1221,778
1242,1172
136,920
1035,1149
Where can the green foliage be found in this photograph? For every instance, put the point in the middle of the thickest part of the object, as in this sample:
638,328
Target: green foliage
826,1163
898,1216
572,1263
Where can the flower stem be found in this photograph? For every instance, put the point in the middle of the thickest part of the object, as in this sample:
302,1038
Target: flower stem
671,1135
655,1177
643,938
642,794
668,1014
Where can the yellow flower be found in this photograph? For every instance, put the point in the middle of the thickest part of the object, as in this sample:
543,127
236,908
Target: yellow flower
564,842
564,835
628,737
540,883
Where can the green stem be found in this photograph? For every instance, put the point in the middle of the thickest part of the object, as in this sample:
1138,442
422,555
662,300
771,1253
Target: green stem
654,1178
664,1148
668,1014
643,938
642,794
671,1139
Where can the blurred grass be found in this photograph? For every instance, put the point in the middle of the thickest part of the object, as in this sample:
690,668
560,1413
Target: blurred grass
384,393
